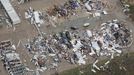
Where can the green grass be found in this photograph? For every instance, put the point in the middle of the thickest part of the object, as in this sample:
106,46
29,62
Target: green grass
126,60
131,11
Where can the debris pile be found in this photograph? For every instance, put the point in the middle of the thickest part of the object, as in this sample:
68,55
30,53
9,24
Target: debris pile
64,10
110,41
96,8
76,45
11,59
126,7
35,17
112,37
23,1
69,8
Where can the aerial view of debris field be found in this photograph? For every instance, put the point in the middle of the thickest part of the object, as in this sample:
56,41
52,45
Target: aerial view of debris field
66,37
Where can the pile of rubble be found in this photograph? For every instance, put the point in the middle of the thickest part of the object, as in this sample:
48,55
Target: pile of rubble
39,19
35,17
75,46
110,41
69,8
11,59
23,1
125,6
5,20
96,7
65,10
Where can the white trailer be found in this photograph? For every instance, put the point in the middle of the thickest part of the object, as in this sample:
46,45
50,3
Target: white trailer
14,18
37,17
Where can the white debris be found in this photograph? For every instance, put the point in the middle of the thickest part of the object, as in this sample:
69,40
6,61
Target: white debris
36,16
74,46
105,12
12,56
93,70
89,33
27,16
88,7
80,57
86,24
96,14
77,45
96,47
92,52
95,66
107,62
13,46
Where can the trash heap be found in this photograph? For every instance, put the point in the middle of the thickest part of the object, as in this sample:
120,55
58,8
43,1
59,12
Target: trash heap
112,38
75,46
65,10
95,7
11,59
38,19
69,8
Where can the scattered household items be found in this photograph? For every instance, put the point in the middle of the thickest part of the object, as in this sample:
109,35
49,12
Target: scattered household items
112,38
125,7
39,19
11,59
35,17
10,11
23,1
96,7
71,7
65,10
76,45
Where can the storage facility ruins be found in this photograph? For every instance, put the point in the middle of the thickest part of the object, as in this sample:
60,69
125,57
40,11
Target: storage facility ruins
11,60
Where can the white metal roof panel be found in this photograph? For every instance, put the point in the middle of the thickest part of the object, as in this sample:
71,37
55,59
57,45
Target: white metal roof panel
10,11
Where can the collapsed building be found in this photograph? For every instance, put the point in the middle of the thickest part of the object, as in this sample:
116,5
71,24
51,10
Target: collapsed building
75,46
35,17
11,59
